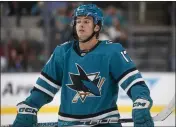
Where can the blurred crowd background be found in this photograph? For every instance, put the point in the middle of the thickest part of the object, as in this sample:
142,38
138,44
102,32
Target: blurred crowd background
31,30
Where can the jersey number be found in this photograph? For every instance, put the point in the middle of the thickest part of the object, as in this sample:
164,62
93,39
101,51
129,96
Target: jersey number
126,56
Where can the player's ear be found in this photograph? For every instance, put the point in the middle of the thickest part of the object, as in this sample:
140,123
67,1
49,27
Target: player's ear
97,28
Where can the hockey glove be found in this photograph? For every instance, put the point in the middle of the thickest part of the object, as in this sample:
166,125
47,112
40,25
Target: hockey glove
141,113
26,117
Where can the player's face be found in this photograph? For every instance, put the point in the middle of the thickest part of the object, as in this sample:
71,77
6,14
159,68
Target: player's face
84,27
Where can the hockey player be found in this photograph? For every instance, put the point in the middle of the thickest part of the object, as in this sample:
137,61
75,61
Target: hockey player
90,72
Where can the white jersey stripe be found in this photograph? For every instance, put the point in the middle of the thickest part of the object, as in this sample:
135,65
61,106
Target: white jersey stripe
92,118
132,83
127,76
44,90
49,82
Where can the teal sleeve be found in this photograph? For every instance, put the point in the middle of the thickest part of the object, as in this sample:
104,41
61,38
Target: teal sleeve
38,98
49,81
126,74
123,69
140,90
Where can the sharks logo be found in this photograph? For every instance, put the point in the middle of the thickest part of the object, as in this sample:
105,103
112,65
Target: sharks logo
85,85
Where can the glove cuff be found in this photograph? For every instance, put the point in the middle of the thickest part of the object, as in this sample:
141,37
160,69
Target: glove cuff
26,109
141,104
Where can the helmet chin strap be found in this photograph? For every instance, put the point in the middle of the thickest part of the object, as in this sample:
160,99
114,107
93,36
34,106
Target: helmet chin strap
88,39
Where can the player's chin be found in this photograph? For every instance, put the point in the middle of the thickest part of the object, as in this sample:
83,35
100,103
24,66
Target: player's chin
81,39
81,36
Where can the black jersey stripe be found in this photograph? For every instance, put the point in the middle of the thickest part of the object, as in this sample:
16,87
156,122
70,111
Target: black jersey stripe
51,79
87,116
36,89
125,73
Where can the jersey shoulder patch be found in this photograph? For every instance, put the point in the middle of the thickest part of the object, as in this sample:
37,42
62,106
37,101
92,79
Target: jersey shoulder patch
113,46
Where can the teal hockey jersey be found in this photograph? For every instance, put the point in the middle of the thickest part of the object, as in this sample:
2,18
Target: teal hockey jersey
90,81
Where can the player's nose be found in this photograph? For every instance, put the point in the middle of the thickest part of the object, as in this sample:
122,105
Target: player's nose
81,25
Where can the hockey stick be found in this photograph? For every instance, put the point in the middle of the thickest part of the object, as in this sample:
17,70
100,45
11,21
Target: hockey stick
159,117
166,111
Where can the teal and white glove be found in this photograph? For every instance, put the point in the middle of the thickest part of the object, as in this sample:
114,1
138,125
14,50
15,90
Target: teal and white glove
141,113
26,117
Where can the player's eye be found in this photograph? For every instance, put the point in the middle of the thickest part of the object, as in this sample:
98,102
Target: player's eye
78,21
86,21
83,21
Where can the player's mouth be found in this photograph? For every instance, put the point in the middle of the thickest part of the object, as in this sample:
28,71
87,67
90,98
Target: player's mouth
81,31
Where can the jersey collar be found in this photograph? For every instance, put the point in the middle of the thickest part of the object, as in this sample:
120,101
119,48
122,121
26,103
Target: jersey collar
83,52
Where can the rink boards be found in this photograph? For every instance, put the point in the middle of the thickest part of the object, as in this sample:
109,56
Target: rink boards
15,87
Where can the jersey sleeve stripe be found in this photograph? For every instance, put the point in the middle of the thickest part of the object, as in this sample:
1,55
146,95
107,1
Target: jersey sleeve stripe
125,73
44,90
50,79
127,76
36,89
129,80
133,83
49,82
45,85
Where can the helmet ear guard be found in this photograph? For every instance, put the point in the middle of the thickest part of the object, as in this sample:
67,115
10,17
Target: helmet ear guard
96,28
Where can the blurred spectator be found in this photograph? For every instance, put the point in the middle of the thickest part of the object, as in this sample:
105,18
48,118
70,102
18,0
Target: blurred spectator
53,6
31,55
24,56
61,18
3,58
3,63
20,8
49,10
116,33
15,57
37,8
33,62
2,52
114,25
62,30
72,6
113,12
24,48
36,56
